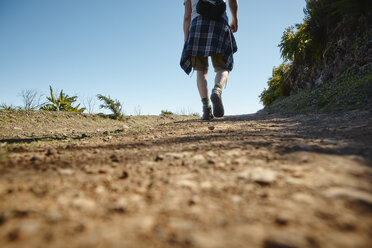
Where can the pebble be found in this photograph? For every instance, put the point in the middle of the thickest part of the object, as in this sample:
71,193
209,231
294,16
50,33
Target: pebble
234,153
236,199
269,243
114,158
180,225
350,194
24,229
198,158
211,128
244,174
84,203
187,184
206,185
263,176
159,158
177,155
304,198
53,217
124,175
282,241
66,172
100,190
145,223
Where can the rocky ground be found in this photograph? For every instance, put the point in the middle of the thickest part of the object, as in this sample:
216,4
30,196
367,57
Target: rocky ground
262,180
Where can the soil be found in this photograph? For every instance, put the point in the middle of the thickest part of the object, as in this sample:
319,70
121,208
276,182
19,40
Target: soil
262,180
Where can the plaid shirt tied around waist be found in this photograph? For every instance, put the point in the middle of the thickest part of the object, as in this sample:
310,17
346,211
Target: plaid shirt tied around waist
208,37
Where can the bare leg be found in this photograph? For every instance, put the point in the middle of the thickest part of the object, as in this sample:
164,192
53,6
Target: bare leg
202,82
221,78
220,81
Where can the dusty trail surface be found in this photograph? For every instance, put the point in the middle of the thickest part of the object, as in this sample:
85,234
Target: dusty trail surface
259,180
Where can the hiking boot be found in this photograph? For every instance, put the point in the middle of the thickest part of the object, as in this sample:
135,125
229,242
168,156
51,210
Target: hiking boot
207,114
216,99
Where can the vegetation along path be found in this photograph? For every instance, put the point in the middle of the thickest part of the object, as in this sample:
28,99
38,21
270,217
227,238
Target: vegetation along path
262,180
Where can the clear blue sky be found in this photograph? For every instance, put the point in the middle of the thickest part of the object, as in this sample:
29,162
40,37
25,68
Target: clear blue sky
130,50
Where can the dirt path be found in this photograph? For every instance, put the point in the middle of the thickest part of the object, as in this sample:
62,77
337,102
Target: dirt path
260,180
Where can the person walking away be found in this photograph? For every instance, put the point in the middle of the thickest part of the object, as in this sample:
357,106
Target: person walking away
206,37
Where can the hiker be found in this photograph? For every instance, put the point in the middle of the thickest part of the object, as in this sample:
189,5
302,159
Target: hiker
207,35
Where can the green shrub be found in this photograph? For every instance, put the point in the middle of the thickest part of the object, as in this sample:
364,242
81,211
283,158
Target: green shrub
166,112
347,92
114,106
62,103
6,107
294,44
278,85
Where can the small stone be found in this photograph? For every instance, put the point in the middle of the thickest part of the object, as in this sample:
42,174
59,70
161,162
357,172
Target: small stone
2,219
100,190
125,127
198,158
120,206
282,220
49,153
211,154
66,172
234,153
236,199
353,195
303,198
34,159
263,176
177,155
180,225
244,174
211,128
206,185
83,204
53,217
114,158
24,229
281,241
145,223
124,175
187,184
277,244
84,136
159,158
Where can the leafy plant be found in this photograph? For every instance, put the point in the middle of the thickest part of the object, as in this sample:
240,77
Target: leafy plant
6,107
166,112
62,103
114,105
278,85
310,46
346,92
294,43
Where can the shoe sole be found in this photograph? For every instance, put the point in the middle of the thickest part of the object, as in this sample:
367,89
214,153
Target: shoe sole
218,110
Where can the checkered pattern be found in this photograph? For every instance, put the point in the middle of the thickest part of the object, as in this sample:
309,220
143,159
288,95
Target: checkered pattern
208,37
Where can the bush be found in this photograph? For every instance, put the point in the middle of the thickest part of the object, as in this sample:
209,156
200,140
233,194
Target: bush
309,47
62,103
114,105
278,85
166,112
6,107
